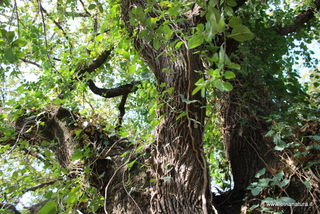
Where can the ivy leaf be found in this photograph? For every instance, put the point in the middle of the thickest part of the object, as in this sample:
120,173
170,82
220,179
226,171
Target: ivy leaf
256,191
166,178
186,100
241,33
77,155
195,41
261,172
314,137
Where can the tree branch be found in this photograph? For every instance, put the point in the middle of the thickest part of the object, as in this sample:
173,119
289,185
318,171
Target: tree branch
122,111
96,63
59,26
300,19
30,62
112,92
40,186
9,207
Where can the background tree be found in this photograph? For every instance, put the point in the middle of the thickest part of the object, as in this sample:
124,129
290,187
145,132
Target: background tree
217,121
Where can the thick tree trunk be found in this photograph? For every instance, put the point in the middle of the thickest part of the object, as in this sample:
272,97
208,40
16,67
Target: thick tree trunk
180,170
249,151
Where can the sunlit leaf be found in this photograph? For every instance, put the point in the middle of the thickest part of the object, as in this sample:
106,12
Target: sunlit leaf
241,33
195,41
229,75
49,208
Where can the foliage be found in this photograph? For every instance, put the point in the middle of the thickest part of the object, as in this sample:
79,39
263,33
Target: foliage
42,48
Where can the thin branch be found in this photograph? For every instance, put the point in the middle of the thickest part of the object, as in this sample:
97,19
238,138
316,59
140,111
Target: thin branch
30,62
40,186
44,31
84,7
58,25
28,152
17,15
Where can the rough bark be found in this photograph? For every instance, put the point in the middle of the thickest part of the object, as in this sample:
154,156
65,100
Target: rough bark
176,159
109,172
180,170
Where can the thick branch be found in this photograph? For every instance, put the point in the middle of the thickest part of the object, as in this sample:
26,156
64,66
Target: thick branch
9,207
302,18
122,111
96,63
113,92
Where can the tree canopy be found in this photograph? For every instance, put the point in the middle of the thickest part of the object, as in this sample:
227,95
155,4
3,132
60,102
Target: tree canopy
149,106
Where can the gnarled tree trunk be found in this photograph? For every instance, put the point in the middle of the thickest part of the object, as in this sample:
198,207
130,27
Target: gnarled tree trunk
179,166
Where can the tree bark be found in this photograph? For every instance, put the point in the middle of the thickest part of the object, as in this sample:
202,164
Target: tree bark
180,169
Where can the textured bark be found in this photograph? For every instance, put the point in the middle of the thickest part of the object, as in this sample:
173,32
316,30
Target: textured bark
176,159
179,166
109,171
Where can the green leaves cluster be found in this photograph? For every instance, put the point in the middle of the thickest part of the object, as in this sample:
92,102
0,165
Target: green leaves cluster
10,48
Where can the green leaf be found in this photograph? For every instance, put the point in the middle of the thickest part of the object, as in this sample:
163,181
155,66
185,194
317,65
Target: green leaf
73,195
286,200
213,73
284,182
229,75
227,86
19,42
166,178
178,45
314,137
256,191
100,8
198,88
49,208
195,41
125,153
8,54
233,66
132,163
181,115
10,36
261,172
241,33
231,3
92,6
221,26
77,155
235,21
186,100
156,43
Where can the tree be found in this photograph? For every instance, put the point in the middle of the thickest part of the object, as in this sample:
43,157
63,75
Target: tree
196,78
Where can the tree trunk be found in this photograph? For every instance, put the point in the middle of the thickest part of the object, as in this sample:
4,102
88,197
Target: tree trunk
180,169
